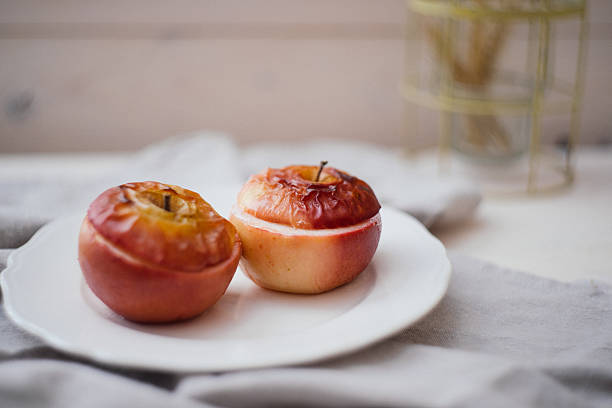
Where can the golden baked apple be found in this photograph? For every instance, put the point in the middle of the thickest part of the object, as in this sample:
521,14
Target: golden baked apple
306,229
156,253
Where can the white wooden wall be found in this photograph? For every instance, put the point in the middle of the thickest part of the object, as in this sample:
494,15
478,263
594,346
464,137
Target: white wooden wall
107,75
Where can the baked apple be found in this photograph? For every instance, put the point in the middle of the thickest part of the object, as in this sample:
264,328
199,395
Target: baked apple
156,253
306,229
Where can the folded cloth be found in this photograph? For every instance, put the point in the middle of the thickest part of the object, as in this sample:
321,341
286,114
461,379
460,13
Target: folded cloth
215,166
499,338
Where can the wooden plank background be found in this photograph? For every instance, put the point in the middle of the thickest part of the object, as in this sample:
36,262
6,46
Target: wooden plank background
86,75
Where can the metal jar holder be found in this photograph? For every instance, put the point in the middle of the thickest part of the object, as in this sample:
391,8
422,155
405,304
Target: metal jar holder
446,90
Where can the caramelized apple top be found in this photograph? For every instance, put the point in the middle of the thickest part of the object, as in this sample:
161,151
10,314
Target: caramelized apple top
292,196
163,224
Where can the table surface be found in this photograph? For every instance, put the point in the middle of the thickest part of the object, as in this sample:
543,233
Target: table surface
565,236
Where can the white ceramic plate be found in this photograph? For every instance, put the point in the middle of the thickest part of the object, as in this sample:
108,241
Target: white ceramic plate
249,327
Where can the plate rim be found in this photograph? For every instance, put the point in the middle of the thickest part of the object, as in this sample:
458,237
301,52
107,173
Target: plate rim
71,348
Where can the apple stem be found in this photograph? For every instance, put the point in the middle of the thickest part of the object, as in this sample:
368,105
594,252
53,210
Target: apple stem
323,163
167,202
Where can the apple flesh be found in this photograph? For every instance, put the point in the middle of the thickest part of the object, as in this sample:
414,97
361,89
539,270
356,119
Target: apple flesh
286,259
155,261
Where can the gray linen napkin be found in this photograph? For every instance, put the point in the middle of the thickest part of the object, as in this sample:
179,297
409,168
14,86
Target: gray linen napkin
500,338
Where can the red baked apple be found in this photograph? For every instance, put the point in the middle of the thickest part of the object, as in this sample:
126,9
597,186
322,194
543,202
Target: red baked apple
156,253
306,229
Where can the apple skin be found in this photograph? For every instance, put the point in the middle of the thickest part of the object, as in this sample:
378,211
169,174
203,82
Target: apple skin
303,262
306,229
291,196
156,253
148,293
189,238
